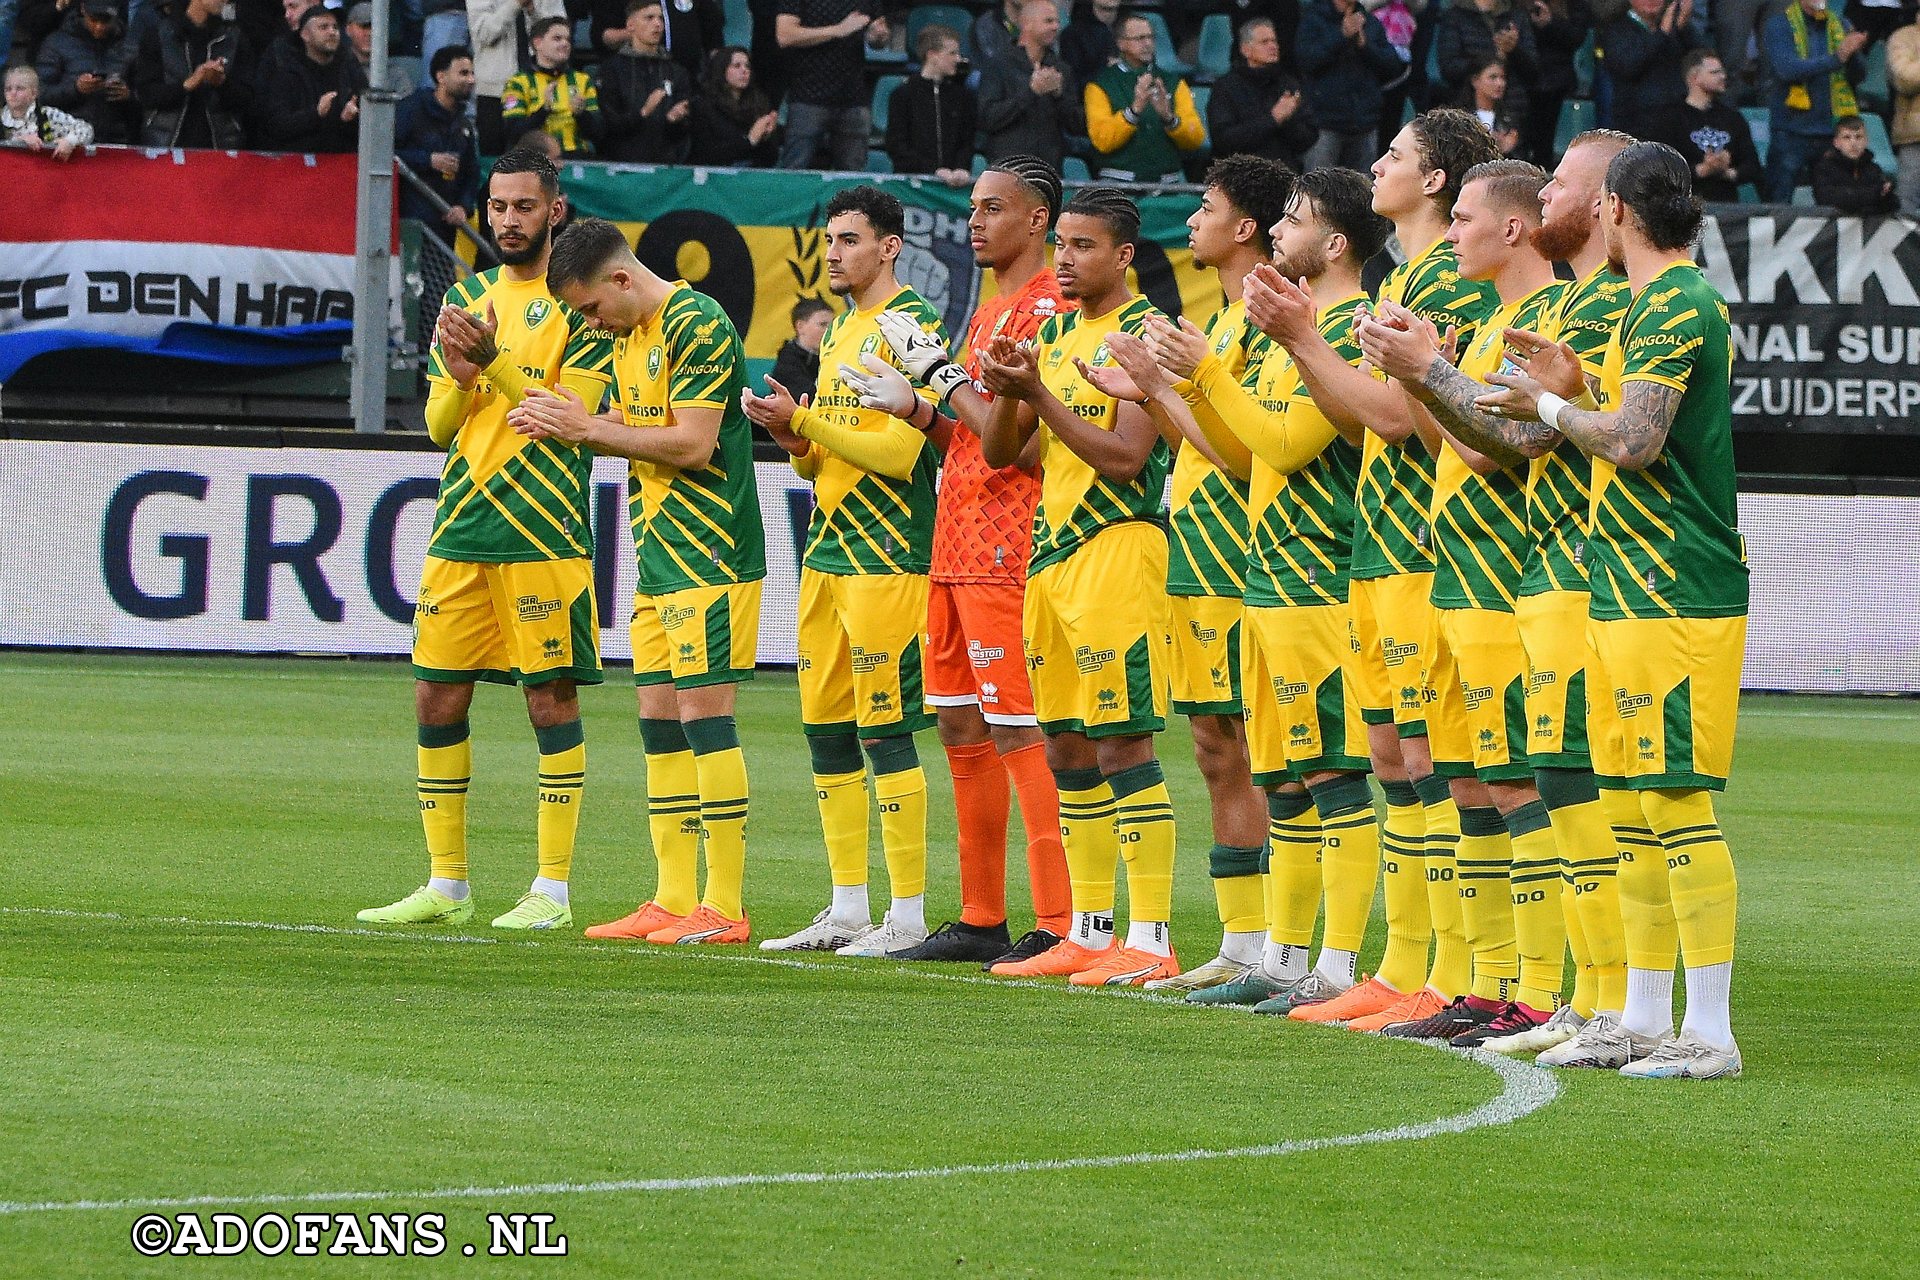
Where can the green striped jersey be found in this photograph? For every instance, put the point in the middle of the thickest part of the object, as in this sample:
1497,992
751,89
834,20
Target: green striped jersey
1557,494
1077,502
1207,521
1396,481
1480,521
1664,541
864,522
690,527
1304,520
505,497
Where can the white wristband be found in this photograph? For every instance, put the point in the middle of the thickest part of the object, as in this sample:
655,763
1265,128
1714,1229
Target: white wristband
1549,409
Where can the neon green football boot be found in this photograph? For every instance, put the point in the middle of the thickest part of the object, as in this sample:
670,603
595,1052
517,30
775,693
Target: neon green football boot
424,905
536,910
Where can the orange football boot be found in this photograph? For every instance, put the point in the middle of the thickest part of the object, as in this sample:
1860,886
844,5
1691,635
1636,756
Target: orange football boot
705,926
1423,1003
1369,997
648,918
1127,967
1063,959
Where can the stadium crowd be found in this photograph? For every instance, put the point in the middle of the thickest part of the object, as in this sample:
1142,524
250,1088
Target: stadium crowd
1116,93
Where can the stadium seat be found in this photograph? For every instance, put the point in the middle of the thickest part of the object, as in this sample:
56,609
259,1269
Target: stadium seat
1576,117
1873,88
1583,67
1074,169
1803,196
947,15
739,24
1879,145
1215,52
1760,126
1202,93
882,95
1164,55
878,162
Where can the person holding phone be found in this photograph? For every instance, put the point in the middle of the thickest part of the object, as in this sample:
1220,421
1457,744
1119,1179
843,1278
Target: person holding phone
83,70
194,77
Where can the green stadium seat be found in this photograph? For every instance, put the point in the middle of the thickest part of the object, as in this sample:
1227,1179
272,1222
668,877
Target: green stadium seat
882,95
1874,88
1215,52
739,24
1803,196
878,162
1878,143
920,17
1583,67
1576,117
1074,169
1760,125
1164,55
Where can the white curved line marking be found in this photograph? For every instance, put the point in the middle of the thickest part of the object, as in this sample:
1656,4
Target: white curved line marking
1525,1090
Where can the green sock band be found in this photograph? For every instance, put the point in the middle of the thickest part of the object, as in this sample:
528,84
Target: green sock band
1526,820
1565,788
435,736
662,737
1345,794
1077,779
1139,778
1400,795
556,738
1432,789
834,754
1482,822
893,755
715,733
1285,806
1226,861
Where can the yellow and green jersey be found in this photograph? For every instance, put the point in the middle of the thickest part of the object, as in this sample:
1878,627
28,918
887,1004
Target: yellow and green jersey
1303,520
1207,527
864,522
1557,495
1076,502
1665,541
697,528
1396,480
574,95
1480,522
505,497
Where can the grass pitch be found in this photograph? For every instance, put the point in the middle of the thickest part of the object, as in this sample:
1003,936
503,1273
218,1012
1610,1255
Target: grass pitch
167,1030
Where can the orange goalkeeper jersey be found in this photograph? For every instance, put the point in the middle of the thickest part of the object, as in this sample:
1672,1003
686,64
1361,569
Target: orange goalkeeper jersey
983,526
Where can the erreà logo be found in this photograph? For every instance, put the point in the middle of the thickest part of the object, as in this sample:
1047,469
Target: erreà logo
537,311
653,362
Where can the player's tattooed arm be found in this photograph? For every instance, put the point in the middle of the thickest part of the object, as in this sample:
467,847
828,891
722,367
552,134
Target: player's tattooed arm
1632,436
1451,395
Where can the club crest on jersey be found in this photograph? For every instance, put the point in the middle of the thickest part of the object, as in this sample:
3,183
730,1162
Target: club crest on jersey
1001,323
1101,355
537,311
653,362
870,343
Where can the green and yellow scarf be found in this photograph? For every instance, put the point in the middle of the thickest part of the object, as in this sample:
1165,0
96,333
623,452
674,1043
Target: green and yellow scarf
1840,93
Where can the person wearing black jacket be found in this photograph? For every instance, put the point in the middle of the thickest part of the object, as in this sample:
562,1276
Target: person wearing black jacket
1087,45
797,367
695,28
1643,50
1030,101
433,137
312,103
1344,58
1845,176
194,79
645,96
930,117
1560,28
1710,135
733,122
1258,108
1469,32
85,71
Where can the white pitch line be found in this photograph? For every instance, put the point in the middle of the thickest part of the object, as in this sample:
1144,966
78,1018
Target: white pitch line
1525,1090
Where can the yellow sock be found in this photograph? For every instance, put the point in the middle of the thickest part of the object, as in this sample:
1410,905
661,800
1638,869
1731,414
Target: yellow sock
673,814
1589,870
1586,986
1539,929
563,778
1086,829
1486,902
1452,971
1143,824
1706,895
843,821
1646,900
1403,872
1293,831
1349,858
900,788
446,767
1239,890
722,774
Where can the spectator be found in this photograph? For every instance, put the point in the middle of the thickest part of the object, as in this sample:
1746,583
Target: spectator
1560,28
1344,58
1808,48
645,96
1087,45
827,112
442,23
1285,17
552,95
358,30
733,121
1468,32
1903,77
930,117
1644,50
434,138
996,30
693,28
1485,96
543,142
1400,20
1845,176
313,104
1258,107
193,77
1029,102
24,122
502,32
84,68
797,367
1139,118
1709,134
284,46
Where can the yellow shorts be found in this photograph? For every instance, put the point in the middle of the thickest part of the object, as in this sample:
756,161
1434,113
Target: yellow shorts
1448,736
702,635
1666,694
1392,619
1097,627
1303,708
523,623
1553,630
1206,656
860,641
1491,671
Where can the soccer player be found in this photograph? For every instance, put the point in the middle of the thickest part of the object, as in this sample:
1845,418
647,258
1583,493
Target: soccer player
863,591
982,536
1096,615
1668,575
1414,185
1304,727
506,594
1510,899
679,372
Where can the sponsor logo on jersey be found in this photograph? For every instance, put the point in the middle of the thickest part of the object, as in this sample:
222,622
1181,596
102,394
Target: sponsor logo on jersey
537,310
1089,659
990,692
674,614
1108,700
1475,694
551,646
1543,725
865,660
1285,691
1398,653
1044,307
984,655
1630,704
1205,635
1538,680
1645,744
881,700
534,609
1300,735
